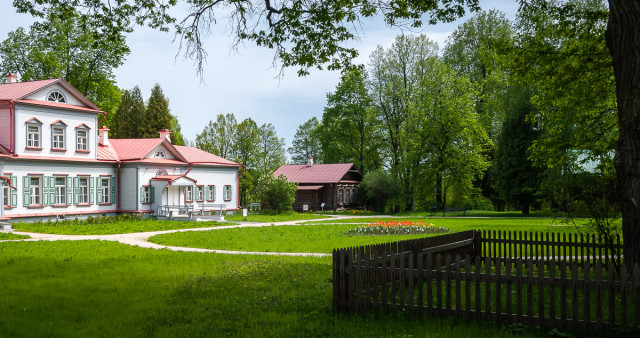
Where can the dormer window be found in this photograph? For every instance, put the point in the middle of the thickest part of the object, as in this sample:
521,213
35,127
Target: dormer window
82,138
56,96
58,135
160,154
34,133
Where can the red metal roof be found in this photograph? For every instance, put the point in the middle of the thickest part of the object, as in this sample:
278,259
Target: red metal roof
18,90
134,148
317,173
106,153
170,178
195,155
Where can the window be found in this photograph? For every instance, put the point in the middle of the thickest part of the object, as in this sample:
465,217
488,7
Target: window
56,96
6,195
161,172
340,196
35,190
160,154
146,194
60,190
227,193
200,192
104,190
188,193
82,139
347,197
33,136
211,193
58,137
83,190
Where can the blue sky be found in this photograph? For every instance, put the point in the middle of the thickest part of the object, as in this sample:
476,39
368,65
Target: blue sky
241,82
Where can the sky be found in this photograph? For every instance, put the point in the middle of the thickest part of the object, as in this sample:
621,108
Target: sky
243,81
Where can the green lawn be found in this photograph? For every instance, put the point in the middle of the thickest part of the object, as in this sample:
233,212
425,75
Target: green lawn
105,289
322,237
121,227
9,236
284,217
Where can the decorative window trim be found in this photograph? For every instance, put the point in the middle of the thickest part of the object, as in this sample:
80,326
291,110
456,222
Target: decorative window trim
211,193
188,193
161,172
200,193
160,154
227,193
146,194
59,144
56,95
33,143
83,128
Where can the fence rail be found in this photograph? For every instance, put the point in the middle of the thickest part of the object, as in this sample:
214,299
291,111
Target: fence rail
550,289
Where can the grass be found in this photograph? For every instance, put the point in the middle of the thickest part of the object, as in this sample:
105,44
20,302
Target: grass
93,288
124,227
322,237
485,213
266,218
9,236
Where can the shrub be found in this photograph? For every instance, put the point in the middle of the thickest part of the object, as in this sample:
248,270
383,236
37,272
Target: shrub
277,193
478,202
381,190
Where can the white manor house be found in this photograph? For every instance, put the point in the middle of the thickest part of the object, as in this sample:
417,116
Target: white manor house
55,161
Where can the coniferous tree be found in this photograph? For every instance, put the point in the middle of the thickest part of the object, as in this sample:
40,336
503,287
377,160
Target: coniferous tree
157,114
129,121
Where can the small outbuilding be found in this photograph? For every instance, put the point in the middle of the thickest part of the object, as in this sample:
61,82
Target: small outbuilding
323,186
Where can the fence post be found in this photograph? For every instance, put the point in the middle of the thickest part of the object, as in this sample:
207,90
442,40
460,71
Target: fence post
477,243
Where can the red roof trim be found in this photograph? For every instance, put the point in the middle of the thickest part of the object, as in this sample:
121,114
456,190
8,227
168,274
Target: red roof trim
59,106
58,121
32,119
82,125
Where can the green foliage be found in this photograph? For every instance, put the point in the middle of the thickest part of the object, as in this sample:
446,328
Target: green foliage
479,202
67,44
306,143
348,132
381,190
218,137
397,228
277,193
5,236
129,119
156,115
270,216
271,153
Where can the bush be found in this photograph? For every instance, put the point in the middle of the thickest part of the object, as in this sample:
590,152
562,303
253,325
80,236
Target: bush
479,203
277,193
381,190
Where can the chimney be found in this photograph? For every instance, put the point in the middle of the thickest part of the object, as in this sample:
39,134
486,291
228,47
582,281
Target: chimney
103,136
165,133
309,161
12,78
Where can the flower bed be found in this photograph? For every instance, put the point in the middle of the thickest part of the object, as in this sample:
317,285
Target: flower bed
397,228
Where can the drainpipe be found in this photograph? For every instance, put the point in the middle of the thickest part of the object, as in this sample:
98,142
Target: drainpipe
104,116
118,184
12,129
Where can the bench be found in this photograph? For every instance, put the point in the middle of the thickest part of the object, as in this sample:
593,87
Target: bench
457,209
207,206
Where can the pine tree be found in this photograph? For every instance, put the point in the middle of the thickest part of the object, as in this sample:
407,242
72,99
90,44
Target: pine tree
157,114
129,120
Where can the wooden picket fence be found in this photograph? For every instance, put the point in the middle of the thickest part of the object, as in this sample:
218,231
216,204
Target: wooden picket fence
447,276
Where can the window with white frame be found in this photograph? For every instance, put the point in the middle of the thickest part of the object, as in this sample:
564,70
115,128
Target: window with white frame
56,96
7,194
227,193
83,190
105,189
35,190
200,192
146,194
33,135
188,193
57,132
60,190
211,193
82,139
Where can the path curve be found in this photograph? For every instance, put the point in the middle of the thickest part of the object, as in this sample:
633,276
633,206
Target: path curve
141,239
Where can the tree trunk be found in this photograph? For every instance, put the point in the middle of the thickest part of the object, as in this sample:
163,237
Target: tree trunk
623,40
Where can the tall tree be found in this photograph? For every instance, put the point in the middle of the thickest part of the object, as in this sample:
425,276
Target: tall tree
129,119
157,115
67,44
306,142
271,151
218,137
517,179
246,138
348,130
176,132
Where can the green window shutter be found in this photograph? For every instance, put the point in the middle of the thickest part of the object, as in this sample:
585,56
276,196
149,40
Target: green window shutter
113,190
92,189
151,194
69,190
45,190
26,191
52,190
76,190
14,192
142,194
214,192
99,190
205,193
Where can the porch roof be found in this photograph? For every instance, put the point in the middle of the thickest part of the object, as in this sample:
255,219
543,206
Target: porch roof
310,187
178,180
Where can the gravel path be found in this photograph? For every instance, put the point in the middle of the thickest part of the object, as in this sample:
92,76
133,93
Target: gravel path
141,239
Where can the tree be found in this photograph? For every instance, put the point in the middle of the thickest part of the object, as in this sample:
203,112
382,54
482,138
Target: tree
67,44
129,119
157,115
176,132
381,190
218,137
277,194
306,142
271,153
246,138
517,179
348,130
